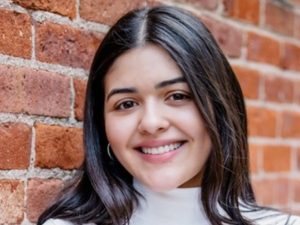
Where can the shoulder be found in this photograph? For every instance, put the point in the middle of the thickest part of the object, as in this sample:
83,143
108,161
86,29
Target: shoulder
279,220
295,220
270,217
61,222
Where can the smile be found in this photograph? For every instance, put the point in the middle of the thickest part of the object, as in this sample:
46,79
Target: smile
161,149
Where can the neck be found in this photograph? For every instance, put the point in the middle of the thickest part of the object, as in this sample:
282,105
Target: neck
176,206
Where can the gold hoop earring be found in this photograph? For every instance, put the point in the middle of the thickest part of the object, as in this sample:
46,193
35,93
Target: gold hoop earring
108,152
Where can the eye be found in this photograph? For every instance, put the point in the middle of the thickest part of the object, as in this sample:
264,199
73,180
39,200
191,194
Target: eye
178,96
127,104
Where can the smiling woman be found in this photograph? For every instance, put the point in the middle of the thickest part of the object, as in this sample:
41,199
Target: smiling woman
165,131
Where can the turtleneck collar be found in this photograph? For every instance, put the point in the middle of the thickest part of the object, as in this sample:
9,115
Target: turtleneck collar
174,207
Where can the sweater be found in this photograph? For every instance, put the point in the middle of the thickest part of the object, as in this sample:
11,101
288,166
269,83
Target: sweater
182,206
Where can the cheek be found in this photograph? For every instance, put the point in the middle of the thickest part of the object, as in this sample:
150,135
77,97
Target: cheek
191,118
199,132
112,129
118,130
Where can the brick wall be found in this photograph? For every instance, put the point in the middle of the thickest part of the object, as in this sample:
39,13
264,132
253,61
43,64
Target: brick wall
46,48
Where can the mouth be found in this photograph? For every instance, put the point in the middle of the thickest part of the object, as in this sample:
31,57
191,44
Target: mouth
161,149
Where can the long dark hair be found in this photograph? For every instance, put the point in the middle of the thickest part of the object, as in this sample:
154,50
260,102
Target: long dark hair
104,193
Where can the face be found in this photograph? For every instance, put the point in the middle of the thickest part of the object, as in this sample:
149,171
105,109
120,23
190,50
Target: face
151,120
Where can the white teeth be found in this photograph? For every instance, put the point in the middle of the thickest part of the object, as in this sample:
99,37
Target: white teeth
161,149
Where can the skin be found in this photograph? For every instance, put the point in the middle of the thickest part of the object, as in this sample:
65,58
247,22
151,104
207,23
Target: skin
148,104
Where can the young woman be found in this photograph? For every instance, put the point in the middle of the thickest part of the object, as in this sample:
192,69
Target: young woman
165,131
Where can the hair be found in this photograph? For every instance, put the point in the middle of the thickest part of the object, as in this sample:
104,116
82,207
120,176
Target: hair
104,193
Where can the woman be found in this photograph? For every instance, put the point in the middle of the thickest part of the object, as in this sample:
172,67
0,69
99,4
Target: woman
165,131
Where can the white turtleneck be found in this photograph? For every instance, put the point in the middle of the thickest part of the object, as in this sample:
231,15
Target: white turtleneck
175,207
182,206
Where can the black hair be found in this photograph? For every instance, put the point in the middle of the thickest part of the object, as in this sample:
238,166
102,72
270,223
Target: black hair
104,193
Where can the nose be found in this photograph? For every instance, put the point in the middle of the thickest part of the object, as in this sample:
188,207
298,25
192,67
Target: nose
153,120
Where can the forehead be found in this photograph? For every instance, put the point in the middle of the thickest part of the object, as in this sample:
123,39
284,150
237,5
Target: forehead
149,63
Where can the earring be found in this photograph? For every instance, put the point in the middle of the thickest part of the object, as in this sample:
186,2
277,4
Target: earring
108,152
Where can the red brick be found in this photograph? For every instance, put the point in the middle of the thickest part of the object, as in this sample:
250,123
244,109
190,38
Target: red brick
271,191
297,27
295,2
263,49
48,94
262,122
276,158
154,3
254,157
290,127
291,57
24,90
62,44
297,191
58,147
228,37
297,92
40,195
15,30
243,10
80,88
65,8
249,80
208,4
15,142
107,11
12,201
279,18
279,89
298,159
11,90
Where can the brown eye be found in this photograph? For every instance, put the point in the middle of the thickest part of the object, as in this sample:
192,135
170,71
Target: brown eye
178,96
126,105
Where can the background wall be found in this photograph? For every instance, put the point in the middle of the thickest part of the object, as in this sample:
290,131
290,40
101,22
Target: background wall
46,47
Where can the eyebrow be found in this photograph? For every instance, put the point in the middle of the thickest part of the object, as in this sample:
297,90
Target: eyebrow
170,82
120,91
134,90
